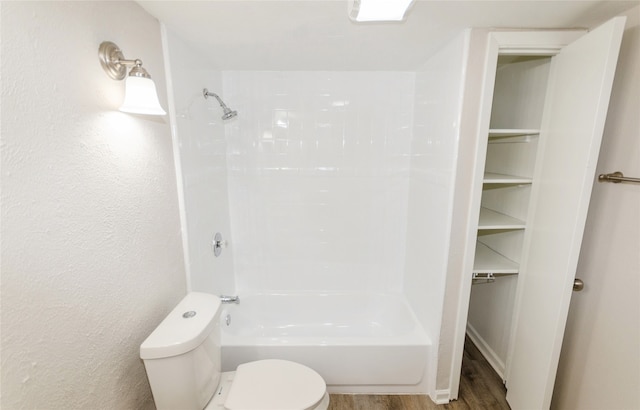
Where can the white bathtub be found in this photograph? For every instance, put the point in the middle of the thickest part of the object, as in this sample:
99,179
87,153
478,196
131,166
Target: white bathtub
358,342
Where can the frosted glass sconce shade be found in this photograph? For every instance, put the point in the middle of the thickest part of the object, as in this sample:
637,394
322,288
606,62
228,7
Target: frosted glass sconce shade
378,10
141,96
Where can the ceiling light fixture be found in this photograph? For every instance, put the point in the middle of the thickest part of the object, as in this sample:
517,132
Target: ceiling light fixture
378,10
141,96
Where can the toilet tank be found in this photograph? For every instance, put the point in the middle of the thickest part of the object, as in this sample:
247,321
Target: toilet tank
182,355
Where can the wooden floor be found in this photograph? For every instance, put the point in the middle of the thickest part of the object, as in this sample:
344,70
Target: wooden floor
480,388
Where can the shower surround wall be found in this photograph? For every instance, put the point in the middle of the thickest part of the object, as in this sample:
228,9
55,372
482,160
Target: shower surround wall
318,178
326,182
439,85
201,165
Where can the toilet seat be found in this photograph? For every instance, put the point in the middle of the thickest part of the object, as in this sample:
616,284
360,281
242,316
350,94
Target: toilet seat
275,385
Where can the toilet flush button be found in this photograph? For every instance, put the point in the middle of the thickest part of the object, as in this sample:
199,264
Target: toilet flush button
189,314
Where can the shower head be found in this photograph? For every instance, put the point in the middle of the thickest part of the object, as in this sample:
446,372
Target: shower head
228,113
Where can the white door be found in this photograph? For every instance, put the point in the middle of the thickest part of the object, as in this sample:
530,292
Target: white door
573,121
608,309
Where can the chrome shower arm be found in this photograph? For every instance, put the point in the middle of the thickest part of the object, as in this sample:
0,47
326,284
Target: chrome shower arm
208,94
228,113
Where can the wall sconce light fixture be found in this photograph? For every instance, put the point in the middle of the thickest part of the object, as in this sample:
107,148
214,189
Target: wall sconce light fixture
378,10
140,91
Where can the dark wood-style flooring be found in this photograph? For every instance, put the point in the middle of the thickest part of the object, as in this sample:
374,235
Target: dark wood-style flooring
480,388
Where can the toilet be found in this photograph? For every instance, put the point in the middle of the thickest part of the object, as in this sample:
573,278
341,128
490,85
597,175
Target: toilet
182,357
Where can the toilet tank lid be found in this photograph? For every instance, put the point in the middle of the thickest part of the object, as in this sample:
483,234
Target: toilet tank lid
184,328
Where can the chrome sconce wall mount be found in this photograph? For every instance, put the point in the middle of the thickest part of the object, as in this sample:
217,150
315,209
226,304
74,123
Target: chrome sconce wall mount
141,96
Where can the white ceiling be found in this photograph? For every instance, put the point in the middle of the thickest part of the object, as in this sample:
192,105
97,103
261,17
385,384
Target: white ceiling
318,35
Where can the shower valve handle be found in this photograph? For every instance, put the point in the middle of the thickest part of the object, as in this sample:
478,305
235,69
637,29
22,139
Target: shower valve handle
218,243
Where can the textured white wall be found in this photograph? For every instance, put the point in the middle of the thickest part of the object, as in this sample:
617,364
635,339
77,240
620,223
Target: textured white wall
201,148
91,248
600,361
319,178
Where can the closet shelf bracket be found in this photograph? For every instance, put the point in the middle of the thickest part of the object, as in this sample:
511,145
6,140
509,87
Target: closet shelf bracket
482,278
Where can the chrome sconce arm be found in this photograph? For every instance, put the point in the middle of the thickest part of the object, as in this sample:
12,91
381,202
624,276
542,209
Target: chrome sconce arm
115,65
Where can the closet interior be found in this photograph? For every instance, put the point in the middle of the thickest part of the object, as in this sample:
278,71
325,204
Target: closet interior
510,163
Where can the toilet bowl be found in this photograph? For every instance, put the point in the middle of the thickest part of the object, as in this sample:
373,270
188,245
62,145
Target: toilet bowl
271,384
182,357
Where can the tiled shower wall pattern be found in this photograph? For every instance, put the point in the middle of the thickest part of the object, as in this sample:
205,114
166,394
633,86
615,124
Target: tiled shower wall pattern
318,168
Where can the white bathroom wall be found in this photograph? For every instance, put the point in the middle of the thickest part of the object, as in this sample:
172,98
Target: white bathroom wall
439,86
201,156
91,254
319,178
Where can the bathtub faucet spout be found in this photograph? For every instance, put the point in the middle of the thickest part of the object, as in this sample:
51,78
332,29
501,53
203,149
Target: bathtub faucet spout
229,299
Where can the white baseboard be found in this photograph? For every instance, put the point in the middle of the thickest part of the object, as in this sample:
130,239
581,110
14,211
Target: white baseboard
442,396
376,389
486,350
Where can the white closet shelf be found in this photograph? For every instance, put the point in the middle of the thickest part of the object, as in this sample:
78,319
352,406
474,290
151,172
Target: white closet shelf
492,178
489,261
511,135
490,219
515,132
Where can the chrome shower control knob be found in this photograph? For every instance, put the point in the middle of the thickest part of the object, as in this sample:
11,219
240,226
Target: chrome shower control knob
217,244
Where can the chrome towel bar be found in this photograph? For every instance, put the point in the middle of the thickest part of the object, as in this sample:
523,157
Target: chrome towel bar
616,177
